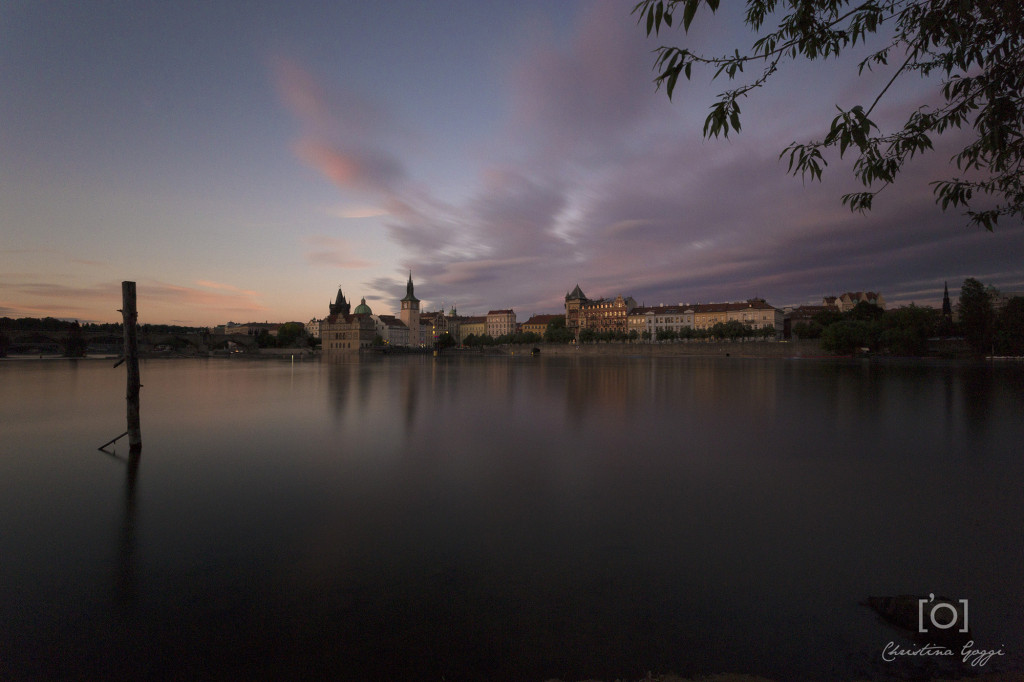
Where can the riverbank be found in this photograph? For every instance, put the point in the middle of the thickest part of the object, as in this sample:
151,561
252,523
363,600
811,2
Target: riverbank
737,349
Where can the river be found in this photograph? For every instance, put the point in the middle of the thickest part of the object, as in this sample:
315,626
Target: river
505,518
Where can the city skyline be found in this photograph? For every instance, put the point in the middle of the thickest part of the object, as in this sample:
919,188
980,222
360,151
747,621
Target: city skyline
238,161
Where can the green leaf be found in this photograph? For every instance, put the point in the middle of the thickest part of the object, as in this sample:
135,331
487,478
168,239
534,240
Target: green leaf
689,9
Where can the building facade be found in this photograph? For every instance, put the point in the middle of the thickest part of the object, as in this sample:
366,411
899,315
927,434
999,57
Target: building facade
755,313
500,323
474,325
850,299
538,324
653,319
606,315
574,301
344,332
391,330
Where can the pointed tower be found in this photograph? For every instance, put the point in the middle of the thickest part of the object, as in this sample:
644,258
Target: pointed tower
340,305
574,302
410,314
947,308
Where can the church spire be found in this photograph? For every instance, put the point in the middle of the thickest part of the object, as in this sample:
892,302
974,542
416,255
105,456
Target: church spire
947,308
340,305
409,296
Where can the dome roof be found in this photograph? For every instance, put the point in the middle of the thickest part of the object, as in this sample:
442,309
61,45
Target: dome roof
362,308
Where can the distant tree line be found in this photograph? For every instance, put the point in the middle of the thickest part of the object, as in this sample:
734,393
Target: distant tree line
905,331
74,341
474,341
52,324
289,335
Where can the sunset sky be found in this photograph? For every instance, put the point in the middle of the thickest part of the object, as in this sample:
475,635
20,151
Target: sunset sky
241,160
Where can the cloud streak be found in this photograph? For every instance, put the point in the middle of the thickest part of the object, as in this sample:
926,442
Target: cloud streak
156,300
596,178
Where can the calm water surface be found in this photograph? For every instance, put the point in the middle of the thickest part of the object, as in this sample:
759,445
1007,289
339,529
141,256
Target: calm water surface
504,518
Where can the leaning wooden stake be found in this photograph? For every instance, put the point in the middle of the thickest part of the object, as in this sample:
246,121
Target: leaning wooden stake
131,356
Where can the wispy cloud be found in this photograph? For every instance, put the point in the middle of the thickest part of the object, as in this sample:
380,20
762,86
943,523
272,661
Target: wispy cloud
597,178
227,287
156,300
335,252
343,135
357,212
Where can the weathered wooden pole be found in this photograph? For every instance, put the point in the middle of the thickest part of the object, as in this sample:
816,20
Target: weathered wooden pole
131,356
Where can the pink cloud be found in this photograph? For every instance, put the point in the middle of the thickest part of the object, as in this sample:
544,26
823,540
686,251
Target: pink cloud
350,169
157,301
333,252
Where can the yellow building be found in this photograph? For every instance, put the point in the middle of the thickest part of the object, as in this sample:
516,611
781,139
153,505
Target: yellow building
477,326
538,324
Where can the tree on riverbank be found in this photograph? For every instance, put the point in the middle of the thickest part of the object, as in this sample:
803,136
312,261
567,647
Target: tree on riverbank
977,318
75,343
906,331
557,332
1010,328
903,331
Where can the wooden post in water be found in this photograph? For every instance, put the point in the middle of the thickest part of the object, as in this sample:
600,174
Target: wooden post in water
131,356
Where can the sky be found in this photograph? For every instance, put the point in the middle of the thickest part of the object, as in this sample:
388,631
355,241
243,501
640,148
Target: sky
241,161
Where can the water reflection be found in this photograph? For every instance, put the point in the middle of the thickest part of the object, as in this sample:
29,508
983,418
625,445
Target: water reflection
127,580
508,518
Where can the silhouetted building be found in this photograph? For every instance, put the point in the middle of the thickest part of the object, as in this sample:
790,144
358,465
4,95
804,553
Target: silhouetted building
410,315
850,299
343,332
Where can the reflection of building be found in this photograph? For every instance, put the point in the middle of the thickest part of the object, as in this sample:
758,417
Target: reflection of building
847,301
344,331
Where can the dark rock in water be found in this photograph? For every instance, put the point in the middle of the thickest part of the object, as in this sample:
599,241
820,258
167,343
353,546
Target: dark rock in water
930,618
